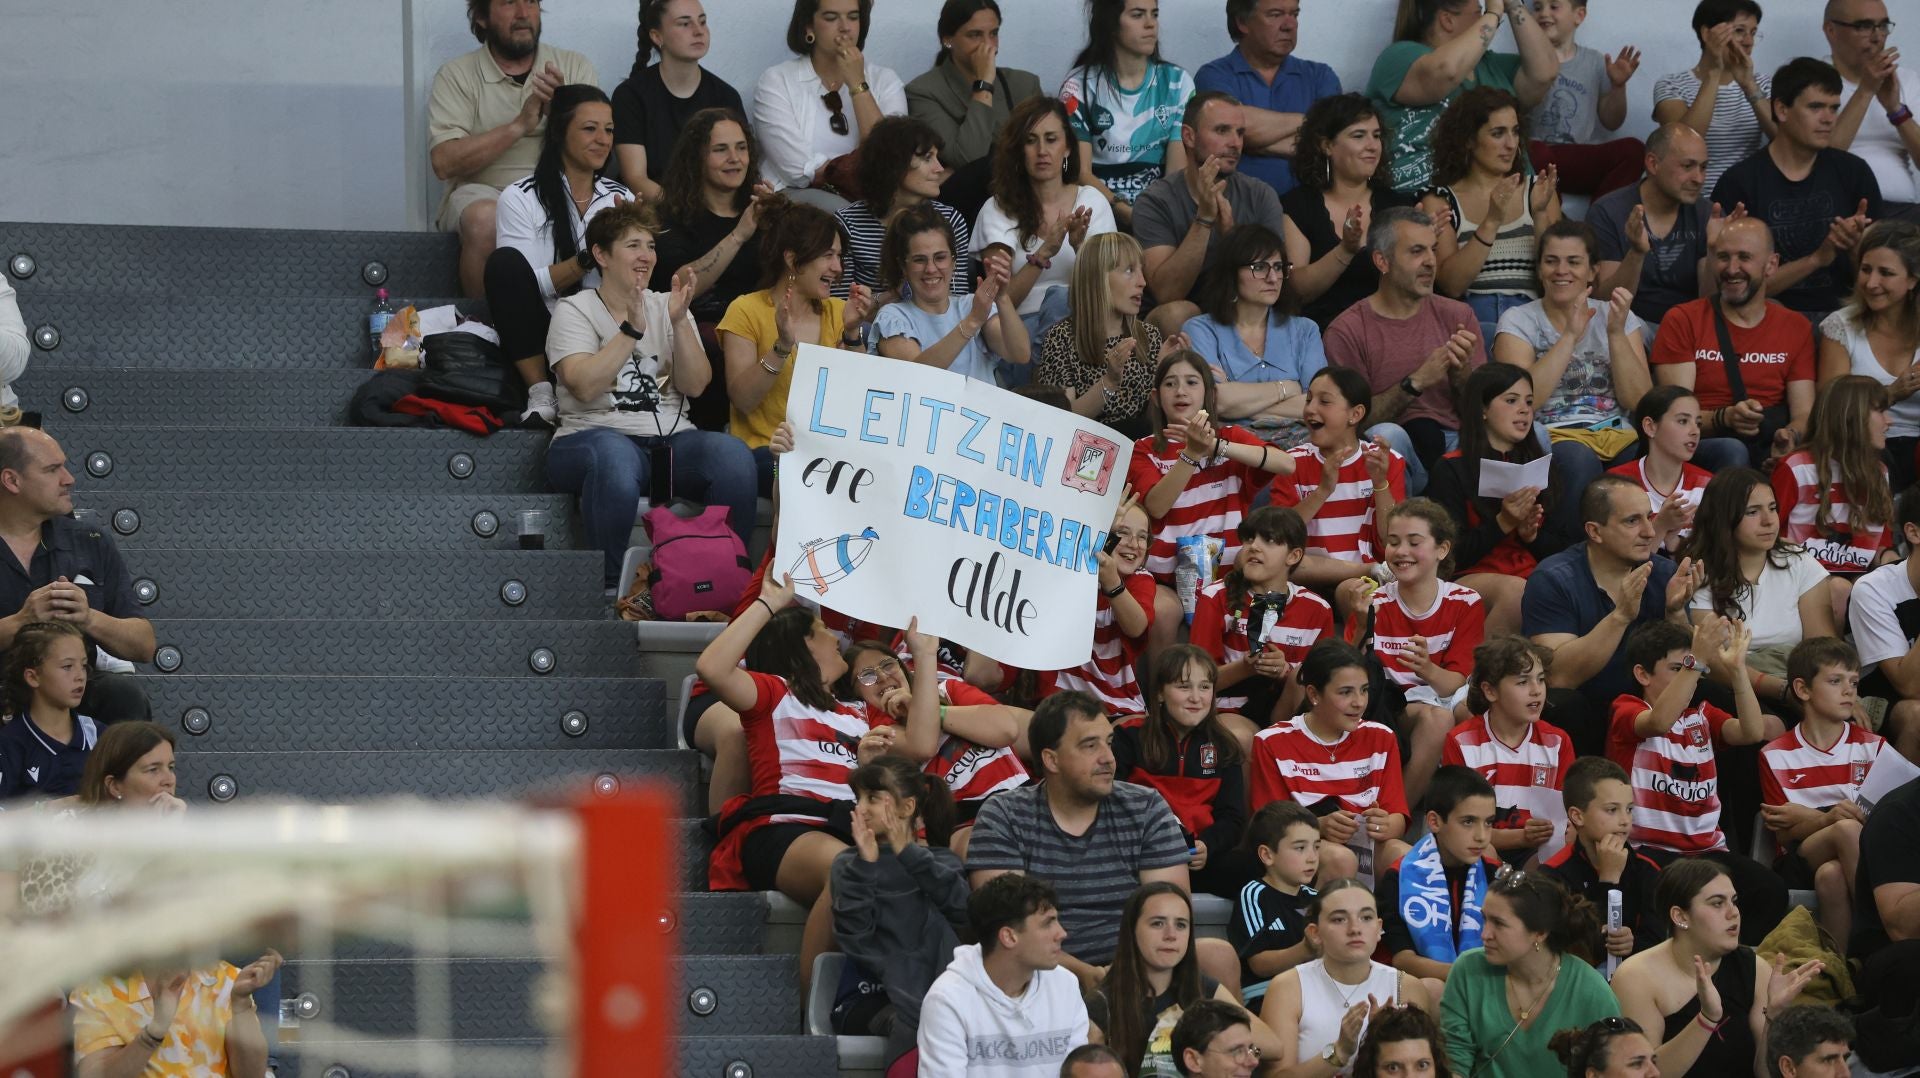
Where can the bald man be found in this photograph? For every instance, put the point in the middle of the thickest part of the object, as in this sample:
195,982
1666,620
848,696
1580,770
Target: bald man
1877,91
56,568
1654,235
1761,398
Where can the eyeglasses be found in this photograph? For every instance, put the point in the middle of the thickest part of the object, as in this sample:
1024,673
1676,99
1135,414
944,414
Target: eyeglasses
1239,1051
1866,26
837,121
1264,267
871,675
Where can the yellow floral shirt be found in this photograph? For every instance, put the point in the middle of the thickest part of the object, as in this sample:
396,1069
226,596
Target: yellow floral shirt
110,1013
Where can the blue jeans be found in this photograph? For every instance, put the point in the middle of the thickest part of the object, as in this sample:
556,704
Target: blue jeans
608,470
1574,466
1488,307
1717,455
1401,442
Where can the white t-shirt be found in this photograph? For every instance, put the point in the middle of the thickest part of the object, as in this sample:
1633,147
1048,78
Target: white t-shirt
521,222
995,226
1843,326
1772,606
1735,131
1875,615
642,400
1879,145
1585,395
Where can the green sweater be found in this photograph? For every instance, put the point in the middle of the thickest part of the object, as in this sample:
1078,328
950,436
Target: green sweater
1475,1016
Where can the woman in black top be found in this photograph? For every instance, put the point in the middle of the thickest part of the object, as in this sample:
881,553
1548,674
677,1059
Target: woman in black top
654,104
710,214
1709,996
1341,164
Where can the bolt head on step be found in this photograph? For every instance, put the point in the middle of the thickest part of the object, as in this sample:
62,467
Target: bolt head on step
336,1071
486,524
197,720
703,1001
573,723
222,788
99,464
542,660
75,399
513,593
605,785
145,591
46,337
739,1068
374,273
167,659
126,521
307,1006
22,266
460,465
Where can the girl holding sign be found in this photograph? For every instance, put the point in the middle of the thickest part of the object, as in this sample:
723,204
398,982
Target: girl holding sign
929,324
775,665
1123,612
800,265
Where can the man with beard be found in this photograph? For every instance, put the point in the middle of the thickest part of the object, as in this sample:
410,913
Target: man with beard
1180,218
1761,395
485,117
1654,235
1276,87
1817,200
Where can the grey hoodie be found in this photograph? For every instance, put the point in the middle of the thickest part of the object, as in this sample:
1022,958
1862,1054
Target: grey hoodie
897,917
969,1027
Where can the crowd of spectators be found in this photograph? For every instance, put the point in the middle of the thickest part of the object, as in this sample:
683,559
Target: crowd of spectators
1543,726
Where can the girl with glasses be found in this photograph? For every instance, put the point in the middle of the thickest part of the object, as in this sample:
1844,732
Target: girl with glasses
1721,96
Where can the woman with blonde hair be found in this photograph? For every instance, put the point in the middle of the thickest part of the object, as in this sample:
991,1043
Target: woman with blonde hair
1103,353
1877,334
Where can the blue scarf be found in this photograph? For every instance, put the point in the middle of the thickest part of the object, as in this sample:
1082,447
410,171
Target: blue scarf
1426,902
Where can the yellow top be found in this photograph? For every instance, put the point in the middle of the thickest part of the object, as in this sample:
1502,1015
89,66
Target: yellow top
751,317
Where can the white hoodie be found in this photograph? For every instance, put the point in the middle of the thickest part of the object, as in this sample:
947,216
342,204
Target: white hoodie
969,1027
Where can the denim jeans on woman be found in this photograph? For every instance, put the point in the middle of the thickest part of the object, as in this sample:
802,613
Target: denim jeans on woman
610,471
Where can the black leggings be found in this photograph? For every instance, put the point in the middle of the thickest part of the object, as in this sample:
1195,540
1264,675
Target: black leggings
519,311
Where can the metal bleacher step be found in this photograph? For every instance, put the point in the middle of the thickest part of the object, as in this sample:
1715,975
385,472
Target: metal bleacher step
347,774
252,262
298,714
356,459
467,520
133,396
722,922
510,585
120,330
762,1057
396,648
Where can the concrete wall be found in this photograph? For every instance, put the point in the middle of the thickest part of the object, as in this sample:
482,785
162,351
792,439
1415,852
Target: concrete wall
309,115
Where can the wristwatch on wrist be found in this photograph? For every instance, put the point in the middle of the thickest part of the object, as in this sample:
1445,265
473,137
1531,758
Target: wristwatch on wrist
627,328
980,86
1407,386
858,89
1117,589
1689,662
1332,1055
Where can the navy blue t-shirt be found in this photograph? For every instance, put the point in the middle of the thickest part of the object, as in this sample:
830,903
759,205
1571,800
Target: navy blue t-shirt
33,764
1562,597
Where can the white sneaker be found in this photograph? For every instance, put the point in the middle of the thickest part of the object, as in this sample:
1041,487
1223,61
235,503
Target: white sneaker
541,406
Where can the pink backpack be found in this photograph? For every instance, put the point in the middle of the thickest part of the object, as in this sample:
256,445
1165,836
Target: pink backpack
698,564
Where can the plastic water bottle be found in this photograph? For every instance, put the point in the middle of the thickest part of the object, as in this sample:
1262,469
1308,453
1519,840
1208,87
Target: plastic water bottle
378,318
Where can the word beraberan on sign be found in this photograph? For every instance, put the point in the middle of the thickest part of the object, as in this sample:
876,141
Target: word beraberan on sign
913,491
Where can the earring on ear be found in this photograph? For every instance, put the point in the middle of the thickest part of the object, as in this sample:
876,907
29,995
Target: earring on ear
810,38
1684,924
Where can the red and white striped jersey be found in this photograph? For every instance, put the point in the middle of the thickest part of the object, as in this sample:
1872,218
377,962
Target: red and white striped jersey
1303,621
1794,771
971,770
1527,778
1454,624
799,750
1693,480
1840,547
1108,674
1215,499
1361,770
1344,528
1676,786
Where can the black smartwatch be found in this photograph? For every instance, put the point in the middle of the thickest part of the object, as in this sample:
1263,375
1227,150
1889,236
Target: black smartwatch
1407,386
1117,589
627,328
980,86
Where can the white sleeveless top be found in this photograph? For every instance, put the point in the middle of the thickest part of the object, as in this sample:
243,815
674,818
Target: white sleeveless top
1324,1001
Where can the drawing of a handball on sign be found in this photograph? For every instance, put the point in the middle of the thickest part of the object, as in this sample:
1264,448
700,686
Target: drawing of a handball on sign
831,560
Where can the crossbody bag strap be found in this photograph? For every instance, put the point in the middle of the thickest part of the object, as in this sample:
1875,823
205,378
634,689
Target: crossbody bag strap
1736,385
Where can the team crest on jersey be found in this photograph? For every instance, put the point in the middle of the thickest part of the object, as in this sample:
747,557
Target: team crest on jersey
1542,775
1209,757
1859,772
1698,735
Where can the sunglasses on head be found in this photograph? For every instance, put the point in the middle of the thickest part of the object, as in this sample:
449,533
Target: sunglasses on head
837,121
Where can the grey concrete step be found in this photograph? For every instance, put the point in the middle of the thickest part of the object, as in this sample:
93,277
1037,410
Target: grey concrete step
330,520
347,774
136,396
397,648
508,585
314,714
340,459
138,259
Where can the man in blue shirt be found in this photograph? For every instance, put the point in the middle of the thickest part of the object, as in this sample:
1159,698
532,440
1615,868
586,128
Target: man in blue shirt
1276,86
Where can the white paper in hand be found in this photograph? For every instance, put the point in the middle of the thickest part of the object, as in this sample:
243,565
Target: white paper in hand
1499,479
1890,771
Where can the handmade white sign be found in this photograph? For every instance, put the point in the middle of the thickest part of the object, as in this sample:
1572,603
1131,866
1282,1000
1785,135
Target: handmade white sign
914,491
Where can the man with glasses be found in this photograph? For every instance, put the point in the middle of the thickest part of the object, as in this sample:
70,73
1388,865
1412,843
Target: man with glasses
1213,1039
1877,123
1721,97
